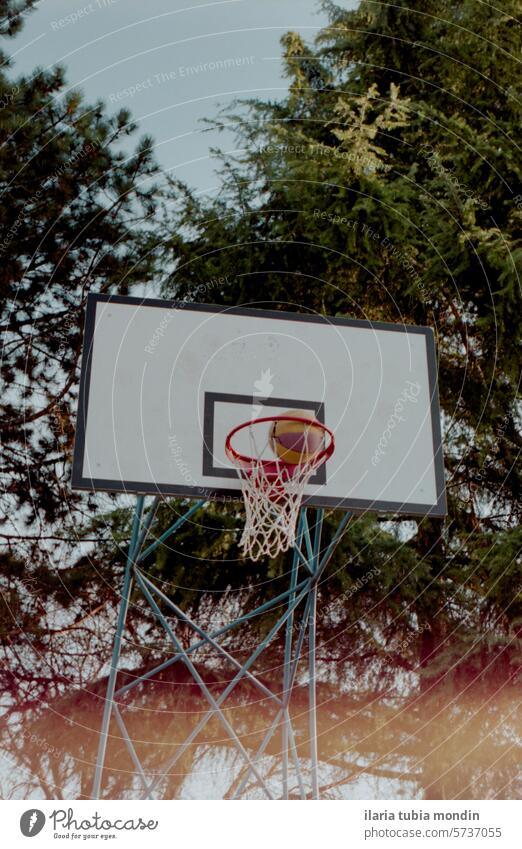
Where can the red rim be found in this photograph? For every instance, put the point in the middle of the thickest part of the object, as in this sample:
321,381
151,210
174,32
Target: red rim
244,459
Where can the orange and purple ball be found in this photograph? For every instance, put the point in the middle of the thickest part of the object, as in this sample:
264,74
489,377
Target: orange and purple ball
296,441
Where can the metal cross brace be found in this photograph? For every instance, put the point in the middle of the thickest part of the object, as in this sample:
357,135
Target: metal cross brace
306,553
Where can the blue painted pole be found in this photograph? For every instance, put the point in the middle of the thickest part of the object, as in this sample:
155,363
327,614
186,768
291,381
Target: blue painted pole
145,528
297,766
312,660
122,615
307,554
130,747
232,684
312,690
307,540
173,528
298,552
318,530
263,608
207,638
288,655
216,707
268,736
332,545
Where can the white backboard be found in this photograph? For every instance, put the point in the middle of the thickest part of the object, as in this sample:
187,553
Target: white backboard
163,382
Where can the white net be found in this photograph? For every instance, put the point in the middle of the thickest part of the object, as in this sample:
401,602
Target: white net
273,494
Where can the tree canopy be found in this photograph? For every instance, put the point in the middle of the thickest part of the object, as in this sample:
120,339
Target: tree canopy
386,186
75,217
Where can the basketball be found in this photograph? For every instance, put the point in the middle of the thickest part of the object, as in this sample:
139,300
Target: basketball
296,442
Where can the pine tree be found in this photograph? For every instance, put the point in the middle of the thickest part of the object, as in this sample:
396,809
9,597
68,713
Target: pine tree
387,185
75,217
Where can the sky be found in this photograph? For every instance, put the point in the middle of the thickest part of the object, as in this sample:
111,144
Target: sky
171,62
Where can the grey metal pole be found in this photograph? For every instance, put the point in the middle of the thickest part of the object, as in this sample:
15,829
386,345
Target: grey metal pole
312,659
122,615
307,554
312,693
288,658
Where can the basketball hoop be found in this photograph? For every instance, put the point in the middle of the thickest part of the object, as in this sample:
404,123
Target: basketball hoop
273,489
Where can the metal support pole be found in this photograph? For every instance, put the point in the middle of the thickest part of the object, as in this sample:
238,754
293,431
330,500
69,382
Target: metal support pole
306,555
122,615
147,522
312,694
215,706
130,748
231,685
268,605
172,530
207,639
297,766
312,621
288,658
